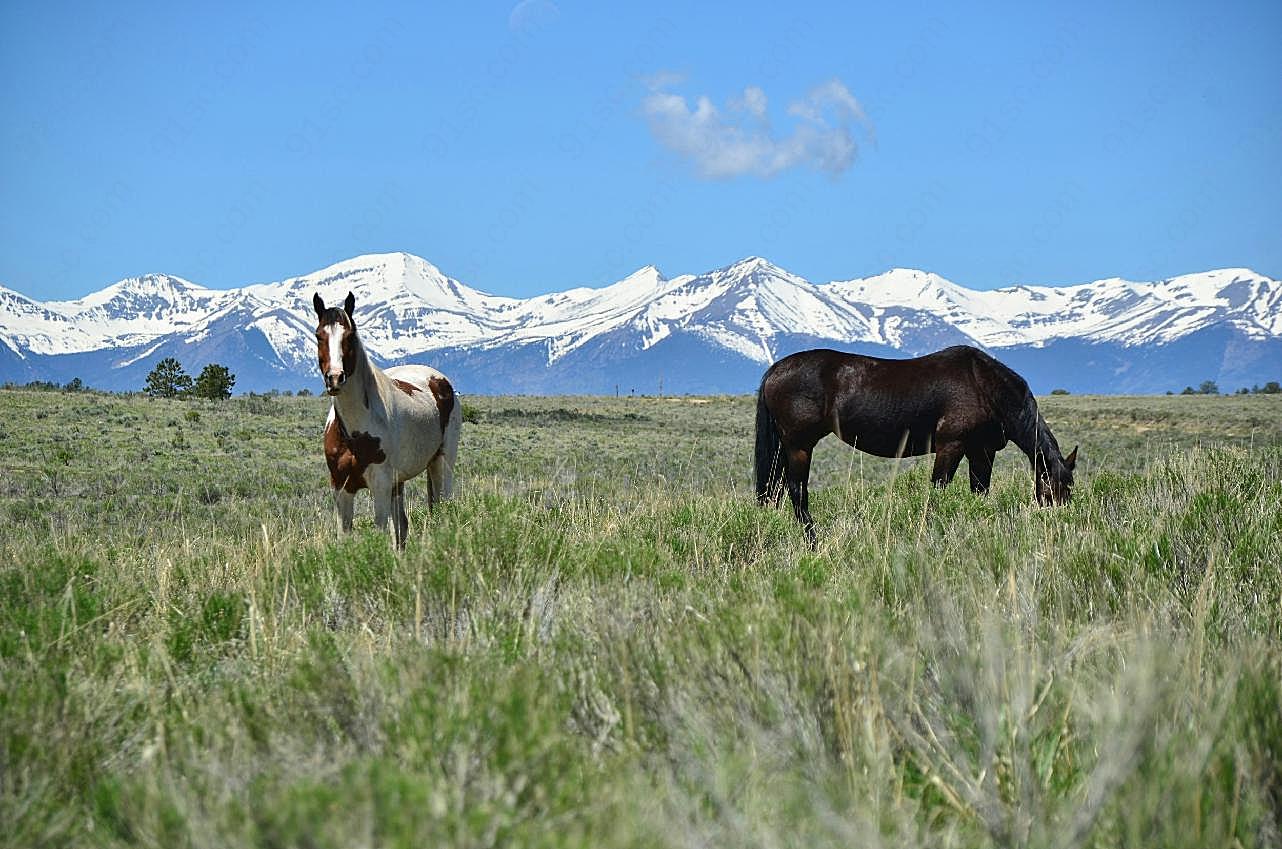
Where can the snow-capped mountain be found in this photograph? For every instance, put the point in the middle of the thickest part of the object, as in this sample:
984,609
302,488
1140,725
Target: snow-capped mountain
711,332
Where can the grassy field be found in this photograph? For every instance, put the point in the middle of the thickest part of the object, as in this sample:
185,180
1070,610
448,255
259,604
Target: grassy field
603,642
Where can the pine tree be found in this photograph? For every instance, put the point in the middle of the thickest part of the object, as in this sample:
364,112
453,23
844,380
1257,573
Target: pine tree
215,381
167,379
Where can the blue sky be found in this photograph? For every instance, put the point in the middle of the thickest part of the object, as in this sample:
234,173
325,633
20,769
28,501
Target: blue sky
529,147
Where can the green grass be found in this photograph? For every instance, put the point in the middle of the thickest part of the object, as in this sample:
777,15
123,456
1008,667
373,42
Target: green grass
603,642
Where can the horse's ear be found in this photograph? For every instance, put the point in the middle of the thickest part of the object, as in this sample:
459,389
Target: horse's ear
1071,459
319,303
349,304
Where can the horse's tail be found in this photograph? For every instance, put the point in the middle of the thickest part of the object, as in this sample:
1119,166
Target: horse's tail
452,428
768,460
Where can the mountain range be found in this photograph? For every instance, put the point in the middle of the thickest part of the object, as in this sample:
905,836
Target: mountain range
703,333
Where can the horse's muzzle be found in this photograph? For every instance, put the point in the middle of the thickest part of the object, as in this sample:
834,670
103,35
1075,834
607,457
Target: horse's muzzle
334,382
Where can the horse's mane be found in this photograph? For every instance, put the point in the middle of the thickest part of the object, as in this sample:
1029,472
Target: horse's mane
1022,420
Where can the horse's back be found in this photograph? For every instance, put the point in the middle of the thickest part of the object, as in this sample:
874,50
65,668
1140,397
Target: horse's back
797,388
426,385
823,372
821,360
420,376
887,407
957,368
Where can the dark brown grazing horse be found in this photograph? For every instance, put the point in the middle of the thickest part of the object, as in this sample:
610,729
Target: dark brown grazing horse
959,402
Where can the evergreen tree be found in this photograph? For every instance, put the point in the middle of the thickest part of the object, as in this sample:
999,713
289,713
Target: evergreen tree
215,381
167,379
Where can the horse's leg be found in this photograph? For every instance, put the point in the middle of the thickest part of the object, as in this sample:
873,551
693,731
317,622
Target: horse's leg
948,457
447,473
798,473
439,480
346,504
401,521
980,462
384,493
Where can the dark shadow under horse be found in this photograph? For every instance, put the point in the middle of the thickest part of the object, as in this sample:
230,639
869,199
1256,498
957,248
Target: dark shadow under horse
958,402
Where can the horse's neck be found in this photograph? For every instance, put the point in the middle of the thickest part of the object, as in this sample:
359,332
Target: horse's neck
1028,431
357,402
1043,451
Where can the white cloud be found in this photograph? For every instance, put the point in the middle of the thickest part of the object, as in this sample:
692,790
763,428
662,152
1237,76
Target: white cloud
741,141
753,102
532,14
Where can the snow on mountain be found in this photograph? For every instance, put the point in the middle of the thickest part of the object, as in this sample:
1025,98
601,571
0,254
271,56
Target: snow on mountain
741,307
745,306
26,324
565,321
748,313
123,314
1112,310
895,297
141,307
406,305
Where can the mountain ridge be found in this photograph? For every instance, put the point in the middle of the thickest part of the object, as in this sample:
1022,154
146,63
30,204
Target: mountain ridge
730,321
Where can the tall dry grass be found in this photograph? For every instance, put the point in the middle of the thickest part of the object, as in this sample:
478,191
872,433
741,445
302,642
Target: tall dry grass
603,642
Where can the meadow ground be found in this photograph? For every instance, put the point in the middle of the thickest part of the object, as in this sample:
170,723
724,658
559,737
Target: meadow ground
603,642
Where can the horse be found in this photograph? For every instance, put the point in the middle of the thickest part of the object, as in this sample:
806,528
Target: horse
958,402
385,426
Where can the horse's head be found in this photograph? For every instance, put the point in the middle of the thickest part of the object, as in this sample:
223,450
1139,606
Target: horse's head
1055,479
335,342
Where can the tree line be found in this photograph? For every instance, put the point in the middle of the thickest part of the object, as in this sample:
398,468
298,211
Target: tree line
1210,387
170,380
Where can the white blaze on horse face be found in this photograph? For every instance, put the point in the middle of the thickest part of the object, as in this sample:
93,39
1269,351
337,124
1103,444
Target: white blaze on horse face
334,365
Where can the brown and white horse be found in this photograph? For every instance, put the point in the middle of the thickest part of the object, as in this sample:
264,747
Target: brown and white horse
385,426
